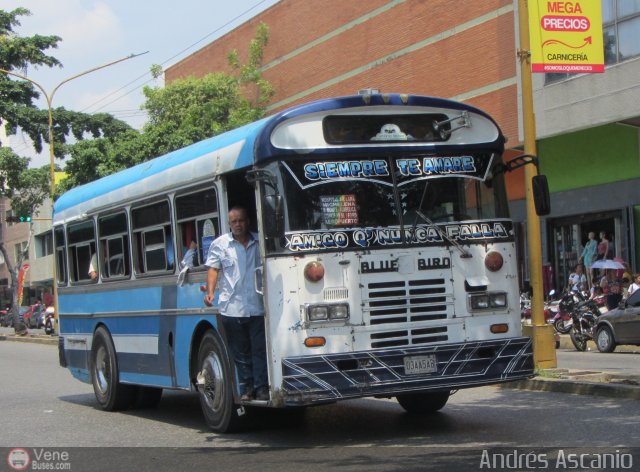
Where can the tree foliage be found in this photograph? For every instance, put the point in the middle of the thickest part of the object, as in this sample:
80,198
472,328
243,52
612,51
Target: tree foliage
181,113
28,188
17,107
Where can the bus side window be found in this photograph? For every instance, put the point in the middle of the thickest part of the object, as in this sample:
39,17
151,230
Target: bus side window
61,260
152,238
81,248
198,221
114,245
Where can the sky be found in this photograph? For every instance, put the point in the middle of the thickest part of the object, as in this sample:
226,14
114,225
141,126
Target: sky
97,32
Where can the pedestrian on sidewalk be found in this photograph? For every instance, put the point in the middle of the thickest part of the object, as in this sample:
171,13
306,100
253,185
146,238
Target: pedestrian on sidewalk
612,288
635,285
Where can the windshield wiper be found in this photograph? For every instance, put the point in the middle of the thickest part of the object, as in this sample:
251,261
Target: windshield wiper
464,253
443,235
419,210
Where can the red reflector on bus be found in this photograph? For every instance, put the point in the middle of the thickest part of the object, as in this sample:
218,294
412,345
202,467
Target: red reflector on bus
499,328
315,341
314,271
493,261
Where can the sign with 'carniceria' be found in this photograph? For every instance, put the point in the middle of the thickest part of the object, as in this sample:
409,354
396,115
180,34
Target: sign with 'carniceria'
566,36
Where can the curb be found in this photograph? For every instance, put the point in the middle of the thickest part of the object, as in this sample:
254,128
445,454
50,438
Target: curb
599,389
30,338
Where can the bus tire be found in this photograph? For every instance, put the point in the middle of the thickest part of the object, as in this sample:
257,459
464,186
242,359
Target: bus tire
147,397
215,385
103,366
423,402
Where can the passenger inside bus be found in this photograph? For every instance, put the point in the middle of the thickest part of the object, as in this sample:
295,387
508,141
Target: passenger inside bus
93,267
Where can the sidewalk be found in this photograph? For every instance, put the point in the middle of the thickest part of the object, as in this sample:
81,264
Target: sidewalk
582,382
607,383
33,336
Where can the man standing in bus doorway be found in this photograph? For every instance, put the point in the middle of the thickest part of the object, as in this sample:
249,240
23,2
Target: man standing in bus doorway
236,255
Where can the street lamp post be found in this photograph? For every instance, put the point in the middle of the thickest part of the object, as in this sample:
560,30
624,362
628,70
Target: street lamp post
52,167
49,98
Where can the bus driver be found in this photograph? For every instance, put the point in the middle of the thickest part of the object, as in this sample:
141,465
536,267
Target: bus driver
236,255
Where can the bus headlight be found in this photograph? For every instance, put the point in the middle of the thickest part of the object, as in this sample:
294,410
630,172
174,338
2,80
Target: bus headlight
488,301
336,312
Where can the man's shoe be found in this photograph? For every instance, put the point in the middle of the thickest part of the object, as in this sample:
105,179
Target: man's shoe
246,397
262,394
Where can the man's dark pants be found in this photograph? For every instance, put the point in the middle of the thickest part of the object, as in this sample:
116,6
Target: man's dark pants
247,342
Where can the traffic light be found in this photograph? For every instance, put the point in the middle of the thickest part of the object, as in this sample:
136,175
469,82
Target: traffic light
18,219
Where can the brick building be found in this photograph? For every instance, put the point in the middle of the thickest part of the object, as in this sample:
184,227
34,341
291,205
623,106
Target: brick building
587,124
460,50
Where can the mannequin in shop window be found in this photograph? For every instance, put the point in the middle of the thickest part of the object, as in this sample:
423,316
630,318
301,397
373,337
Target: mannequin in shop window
588,256
603,246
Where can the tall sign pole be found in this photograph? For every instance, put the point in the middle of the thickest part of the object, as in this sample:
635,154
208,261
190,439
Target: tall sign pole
544,354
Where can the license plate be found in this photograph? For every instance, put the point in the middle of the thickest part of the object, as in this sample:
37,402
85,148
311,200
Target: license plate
420,364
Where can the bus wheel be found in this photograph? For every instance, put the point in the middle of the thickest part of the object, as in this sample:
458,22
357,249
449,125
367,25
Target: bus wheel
215,386
103,365
423,402
147,397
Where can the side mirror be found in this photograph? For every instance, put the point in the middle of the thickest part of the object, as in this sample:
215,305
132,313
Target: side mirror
274,226
541,195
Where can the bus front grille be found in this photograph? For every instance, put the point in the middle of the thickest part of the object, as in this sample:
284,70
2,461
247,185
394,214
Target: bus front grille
407,301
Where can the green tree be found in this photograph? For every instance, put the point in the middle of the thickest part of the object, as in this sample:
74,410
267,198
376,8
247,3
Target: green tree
17,107
28,188
184,112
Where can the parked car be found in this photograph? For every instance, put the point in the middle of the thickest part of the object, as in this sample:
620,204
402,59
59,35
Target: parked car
620,325
7,319
4,320
35,317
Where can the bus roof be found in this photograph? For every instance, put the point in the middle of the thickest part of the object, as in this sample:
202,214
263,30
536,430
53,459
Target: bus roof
263,139
199,161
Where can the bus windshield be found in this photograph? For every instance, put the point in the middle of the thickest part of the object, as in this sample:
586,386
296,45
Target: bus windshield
380,200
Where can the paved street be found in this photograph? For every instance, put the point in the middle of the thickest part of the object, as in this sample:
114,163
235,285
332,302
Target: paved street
44,406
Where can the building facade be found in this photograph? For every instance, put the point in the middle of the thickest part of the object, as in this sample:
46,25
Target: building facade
587,126
37,268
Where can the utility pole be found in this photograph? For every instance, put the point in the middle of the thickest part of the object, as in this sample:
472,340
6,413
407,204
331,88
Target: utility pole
544,353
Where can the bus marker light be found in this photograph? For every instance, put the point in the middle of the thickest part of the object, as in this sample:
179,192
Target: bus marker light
315,341
493,261
314,271
499,328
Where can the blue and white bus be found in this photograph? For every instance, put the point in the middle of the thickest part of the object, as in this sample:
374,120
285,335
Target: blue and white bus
388,261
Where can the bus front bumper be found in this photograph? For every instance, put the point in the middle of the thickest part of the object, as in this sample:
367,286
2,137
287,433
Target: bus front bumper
327,378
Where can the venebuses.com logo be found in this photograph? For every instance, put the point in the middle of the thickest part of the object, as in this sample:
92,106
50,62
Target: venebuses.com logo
20,458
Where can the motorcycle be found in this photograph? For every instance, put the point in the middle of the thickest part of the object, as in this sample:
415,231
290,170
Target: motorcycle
525,309
49,321
585,316
525,313
562,319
